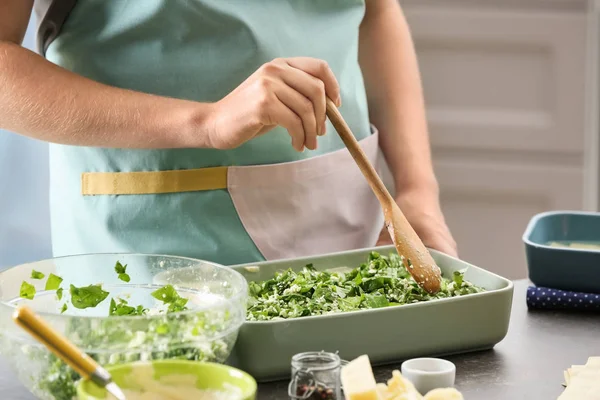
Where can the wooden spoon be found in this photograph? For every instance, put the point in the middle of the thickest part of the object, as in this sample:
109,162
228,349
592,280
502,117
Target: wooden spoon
65,350
421,265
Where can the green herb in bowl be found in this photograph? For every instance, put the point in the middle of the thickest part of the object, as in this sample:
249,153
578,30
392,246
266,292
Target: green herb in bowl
380,282
123,319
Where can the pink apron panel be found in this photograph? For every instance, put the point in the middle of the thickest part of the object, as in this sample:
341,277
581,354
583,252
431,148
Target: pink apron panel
309,207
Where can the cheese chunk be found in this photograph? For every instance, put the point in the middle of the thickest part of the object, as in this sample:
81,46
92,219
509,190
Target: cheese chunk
382,391
358,380
398,388
444,394
585,391
572,372
399,385
359,384
593,362
583,381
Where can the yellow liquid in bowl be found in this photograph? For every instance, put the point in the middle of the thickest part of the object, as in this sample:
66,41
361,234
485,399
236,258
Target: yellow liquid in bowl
171,387
582,245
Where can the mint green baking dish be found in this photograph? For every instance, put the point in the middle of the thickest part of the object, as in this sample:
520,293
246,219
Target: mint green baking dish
435,328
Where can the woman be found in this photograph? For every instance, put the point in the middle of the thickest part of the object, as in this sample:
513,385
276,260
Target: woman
170,123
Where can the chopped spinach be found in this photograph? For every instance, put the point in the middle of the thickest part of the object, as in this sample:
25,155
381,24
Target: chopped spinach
122,271
186,337
380,282
27,291
60,382
122,308
37,275
53,282
458,278
161,339
169,295
88,296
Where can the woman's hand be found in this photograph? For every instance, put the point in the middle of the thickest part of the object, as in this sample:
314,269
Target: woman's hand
288,92
422,210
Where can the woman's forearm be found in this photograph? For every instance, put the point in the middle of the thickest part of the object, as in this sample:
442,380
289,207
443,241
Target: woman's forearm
43,101
395,94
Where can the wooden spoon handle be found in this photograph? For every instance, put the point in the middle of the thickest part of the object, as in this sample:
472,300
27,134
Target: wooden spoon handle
55,342
383,195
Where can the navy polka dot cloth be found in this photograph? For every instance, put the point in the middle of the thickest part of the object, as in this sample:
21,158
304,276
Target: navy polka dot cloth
553,299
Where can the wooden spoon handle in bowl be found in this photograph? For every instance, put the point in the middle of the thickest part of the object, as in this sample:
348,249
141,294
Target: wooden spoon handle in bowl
421,265
55,342
83,364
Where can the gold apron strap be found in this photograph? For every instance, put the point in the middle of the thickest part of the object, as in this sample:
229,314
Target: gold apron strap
153,182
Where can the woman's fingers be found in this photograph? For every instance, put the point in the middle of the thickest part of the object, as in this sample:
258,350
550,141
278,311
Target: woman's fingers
305,109
292,93
316,81
313,90
320,70
282,115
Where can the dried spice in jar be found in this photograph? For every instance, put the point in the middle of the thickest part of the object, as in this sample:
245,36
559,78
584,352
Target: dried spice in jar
315,376
315,393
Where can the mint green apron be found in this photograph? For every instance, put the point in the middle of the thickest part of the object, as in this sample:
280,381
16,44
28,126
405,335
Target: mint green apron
201,50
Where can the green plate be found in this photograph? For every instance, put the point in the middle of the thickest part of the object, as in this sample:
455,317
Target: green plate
210,376
388,335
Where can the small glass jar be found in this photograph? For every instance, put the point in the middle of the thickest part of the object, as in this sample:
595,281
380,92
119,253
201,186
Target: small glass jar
316,376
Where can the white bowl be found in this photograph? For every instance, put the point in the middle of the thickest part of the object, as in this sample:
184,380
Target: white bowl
429,373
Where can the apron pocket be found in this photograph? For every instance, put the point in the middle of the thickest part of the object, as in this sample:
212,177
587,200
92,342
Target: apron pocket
315,206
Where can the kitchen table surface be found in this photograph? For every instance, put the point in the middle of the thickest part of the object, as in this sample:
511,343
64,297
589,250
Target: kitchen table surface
527,364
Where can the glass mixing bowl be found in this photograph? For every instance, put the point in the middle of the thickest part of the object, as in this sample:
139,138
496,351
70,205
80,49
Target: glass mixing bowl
206,331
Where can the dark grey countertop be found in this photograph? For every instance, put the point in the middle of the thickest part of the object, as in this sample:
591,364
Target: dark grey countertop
527,364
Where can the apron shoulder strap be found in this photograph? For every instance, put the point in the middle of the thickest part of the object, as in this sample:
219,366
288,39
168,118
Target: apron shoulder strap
51,15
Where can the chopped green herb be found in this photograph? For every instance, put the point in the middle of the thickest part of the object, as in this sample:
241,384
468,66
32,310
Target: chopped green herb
376,300
37,275
53,282
122,271
87,297
458,277
162,329
166,294
169,295
380,282
58,381
122,308
27,291
61,384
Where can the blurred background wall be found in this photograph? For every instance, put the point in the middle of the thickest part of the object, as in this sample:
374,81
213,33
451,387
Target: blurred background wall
505,85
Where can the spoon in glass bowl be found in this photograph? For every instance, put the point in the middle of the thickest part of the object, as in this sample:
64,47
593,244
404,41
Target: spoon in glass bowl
66,351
